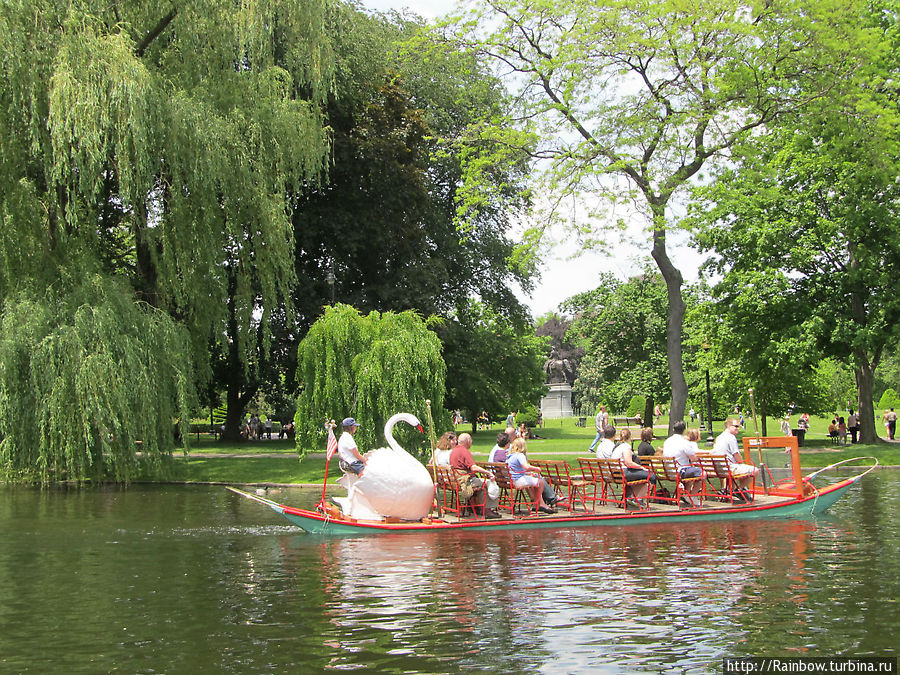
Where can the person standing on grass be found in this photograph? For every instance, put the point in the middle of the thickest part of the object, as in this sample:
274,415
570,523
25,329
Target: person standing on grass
890,421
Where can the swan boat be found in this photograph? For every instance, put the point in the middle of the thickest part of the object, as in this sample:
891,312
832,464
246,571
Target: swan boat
793,497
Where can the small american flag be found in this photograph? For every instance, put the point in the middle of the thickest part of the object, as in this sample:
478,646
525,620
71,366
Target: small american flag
332,443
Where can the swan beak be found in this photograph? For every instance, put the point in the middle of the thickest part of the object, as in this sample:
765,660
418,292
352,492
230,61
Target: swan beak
421,430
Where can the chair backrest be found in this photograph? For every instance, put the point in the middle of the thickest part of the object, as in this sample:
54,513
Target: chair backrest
611,470
713,465
665,468
501,474
556,470
590,469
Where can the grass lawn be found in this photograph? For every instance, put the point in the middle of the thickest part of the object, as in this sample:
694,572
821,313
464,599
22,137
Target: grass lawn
562,439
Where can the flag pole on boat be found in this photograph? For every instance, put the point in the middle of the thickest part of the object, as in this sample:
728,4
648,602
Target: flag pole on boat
330,449
431,437
762,466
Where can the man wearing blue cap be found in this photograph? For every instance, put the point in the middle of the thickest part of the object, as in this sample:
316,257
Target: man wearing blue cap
351,459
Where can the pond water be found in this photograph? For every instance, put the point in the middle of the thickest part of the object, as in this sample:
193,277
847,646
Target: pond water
178,579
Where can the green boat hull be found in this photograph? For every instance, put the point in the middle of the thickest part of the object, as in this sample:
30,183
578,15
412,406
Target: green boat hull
314,522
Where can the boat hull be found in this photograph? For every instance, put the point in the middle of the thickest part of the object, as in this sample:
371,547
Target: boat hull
812,505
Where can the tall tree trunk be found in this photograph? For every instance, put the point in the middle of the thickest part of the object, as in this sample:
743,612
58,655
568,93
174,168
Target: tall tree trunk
863,366
674,316
648,412
864,372
238,393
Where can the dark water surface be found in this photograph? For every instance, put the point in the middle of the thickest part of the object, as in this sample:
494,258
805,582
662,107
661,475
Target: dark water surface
180,579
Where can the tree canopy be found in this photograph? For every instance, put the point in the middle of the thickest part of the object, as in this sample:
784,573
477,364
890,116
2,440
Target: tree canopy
650,92
156,144
805,229
623,328
87,378
368,367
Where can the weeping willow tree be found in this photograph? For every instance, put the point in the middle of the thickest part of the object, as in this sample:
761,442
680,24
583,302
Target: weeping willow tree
87,378
367,367
157,143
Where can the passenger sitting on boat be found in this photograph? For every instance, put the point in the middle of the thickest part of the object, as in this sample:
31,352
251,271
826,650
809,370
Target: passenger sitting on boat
498,452
606,446
726,444
693,436
633,470
680,449
350,458
444,445
645,449
525,476
462,462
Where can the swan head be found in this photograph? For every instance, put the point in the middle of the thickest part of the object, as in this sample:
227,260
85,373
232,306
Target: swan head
410,419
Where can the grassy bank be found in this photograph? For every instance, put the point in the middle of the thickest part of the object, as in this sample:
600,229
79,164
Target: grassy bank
276,461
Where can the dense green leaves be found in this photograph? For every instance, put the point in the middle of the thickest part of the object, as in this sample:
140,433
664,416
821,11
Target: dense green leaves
367,367
87,378
493,364
650,92
157,144
623,328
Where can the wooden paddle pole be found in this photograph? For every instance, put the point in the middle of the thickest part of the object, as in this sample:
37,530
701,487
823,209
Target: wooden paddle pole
762,466
433,440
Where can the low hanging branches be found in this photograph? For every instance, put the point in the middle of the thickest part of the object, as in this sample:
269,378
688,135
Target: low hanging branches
368,367
89,378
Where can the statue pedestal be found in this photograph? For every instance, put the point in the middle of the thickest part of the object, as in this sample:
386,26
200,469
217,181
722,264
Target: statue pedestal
558,401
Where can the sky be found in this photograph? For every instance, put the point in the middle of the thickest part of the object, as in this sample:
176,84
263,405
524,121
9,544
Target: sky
567,269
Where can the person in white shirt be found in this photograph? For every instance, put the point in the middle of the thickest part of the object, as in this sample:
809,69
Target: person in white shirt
443,447
726,444
606,446
351,459
680,449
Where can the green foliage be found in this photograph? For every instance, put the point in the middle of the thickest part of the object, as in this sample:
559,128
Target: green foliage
889,399
636,406
159,144
623,328
834,381
650,92
367,367
85,376
527,415
493,364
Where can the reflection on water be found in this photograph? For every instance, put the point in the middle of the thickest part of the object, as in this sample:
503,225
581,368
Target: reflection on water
183,579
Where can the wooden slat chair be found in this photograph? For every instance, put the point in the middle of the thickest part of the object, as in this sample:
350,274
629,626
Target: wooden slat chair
556,472
666,470
511,497
590,474
615,486
448,489
716,466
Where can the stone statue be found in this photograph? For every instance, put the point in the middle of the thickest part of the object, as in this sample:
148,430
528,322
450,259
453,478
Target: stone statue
558,370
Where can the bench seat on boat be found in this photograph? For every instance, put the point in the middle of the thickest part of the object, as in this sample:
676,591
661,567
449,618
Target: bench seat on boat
666,471
716,466
511,497
447,492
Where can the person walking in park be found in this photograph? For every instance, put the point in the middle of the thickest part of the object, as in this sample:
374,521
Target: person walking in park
600,423
890,421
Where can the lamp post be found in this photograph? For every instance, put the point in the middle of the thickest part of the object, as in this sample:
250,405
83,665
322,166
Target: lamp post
329,279
710,439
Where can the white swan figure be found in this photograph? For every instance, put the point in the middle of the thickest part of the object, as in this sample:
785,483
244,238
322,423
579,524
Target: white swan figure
394,484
